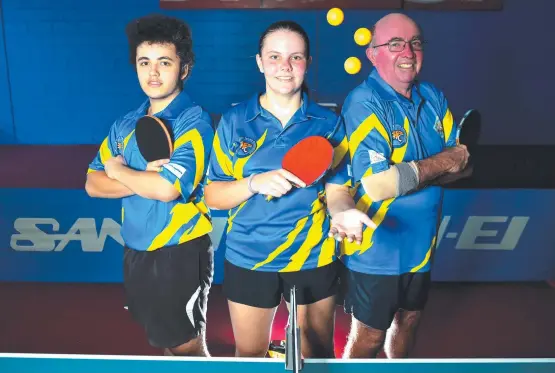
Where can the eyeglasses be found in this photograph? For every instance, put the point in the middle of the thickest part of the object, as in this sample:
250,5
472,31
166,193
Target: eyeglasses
397,45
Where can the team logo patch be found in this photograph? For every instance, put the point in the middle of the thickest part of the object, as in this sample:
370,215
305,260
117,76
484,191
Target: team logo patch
244,147
119,143
438,127
399,136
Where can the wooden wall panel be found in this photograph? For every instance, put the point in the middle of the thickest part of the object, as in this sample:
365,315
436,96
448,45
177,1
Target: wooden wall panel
454,4
210,4
328,4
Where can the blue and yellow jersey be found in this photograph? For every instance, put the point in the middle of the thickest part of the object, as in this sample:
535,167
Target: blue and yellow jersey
149,224
385,128
288,233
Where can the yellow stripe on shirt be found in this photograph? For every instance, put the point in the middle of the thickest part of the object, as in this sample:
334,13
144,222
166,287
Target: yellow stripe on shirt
448,124
104,151
339,152
193,136
363,130
223,160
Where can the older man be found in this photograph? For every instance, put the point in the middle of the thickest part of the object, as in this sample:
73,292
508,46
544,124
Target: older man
403,147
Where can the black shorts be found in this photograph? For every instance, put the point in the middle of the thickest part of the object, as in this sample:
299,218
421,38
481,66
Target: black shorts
374,299
167,290
265,289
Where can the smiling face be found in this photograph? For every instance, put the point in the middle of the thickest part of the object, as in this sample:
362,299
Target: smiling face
283,60
158,70
397,68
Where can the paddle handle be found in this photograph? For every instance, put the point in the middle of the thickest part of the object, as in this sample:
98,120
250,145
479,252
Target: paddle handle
461,125
293,355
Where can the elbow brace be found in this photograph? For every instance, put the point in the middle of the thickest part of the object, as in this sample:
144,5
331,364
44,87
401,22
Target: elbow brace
408,178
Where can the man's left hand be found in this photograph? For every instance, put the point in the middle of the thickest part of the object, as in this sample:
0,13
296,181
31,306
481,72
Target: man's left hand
349,224
113,165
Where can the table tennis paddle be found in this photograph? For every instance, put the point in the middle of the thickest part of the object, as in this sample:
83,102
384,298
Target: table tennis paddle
468,130
310,159
154,138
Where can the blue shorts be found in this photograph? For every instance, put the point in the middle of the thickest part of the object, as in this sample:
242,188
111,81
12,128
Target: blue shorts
374,299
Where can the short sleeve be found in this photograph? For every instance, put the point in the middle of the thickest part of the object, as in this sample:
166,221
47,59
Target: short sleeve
339,173
369,142
220,167
189,160
449,125
108,149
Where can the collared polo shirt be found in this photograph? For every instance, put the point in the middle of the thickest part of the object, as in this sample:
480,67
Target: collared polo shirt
385,128
289,233
149,224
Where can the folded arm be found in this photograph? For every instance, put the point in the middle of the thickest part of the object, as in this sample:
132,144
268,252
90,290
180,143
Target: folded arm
100,185
406,177
452,177
147,184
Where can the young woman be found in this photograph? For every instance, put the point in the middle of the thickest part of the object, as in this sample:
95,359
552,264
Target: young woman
272,245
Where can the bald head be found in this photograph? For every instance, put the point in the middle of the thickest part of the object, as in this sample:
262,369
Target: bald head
396,51
388,25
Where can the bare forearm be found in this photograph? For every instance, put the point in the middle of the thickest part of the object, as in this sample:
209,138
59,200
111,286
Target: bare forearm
406,177
147,184
452,177
100,185
434,167
225,195
338,199
403,178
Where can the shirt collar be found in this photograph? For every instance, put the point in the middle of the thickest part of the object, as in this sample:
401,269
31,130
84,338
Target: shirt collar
181,102
308,109
386,92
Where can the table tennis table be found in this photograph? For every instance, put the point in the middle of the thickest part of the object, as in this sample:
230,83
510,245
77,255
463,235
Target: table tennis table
46,363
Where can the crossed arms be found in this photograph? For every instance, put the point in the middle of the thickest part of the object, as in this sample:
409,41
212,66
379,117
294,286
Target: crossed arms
371,152
117,181
164,180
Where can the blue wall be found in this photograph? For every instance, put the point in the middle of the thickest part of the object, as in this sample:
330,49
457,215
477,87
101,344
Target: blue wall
70,78
6,118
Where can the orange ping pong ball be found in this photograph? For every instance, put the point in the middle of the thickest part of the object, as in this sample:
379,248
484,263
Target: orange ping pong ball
352,65
363,36
335,16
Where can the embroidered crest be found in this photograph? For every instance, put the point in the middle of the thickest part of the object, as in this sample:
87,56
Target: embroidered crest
438,127
399,136
119,144
244,147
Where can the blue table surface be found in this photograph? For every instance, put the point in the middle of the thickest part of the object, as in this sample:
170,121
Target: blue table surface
46,363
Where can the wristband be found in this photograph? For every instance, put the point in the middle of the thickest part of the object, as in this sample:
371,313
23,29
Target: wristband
407,180
249,182
416,170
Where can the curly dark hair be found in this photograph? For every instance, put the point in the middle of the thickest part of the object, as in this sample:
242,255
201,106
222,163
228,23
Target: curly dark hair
161,29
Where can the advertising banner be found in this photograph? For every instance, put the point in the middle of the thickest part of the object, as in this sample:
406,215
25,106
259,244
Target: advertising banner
65,236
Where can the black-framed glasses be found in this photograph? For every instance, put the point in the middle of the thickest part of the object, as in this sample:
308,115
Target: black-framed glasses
398,45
